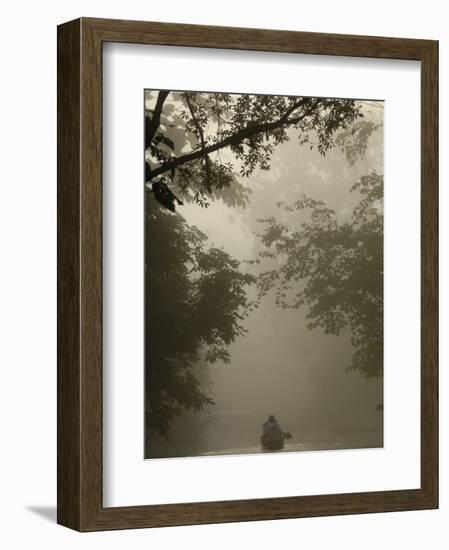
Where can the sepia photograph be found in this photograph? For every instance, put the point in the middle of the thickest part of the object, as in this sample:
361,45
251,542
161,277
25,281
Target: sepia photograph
263,283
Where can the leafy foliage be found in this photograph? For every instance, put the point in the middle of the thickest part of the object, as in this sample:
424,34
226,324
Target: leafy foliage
195,301
354,141
334,268
187,133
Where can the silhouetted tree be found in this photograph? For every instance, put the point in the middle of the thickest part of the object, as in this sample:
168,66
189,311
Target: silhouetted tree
196,301
186,132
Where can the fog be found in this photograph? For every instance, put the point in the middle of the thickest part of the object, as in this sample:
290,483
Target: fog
281,367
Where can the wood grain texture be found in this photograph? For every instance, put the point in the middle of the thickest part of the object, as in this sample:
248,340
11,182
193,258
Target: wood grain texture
80,274
429,271
69,435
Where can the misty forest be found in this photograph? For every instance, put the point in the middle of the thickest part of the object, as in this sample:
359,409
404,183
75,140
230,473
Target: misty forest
263,273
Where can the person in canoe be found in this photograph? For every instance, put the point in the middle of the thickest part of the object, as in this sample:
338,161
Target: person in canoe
272,438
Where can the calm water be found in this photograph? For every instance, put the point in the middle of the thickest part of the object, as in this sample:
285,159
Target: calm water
238,433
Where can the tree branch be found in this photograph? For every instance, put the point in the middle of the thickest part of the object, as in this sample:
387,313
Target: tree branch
203,144
236,138
152,124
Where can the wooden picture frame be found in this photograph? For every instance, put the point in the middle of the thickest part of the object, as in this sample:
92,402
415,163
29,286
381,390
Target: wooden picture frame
80,503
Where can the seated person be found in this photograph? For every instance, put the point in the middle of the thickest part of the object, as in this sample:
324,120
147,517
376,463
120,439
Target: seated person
272,432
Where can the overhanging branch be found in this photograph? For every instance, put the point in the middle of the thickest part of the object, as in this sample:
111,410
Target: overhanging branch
236,138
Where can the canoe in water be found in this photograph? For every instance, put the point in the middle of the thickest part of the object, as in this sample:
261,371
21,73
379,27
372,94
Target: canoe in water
270,444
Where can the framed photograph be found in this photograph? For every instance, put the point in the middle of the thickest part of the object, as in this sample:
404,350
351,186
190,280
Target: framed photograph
247,274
